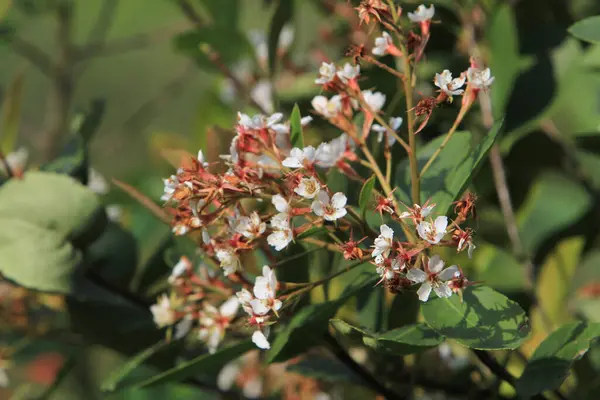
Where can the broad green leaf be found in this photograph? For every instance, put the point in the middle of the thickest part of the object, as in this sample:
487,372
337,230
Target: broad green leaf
114,380
227,42
54,202
365,194
587,29
283,14
452,171
372,309
485,319
35,257
11,112
309,323
498,268
408,339
553,204
550,363
203,363
296,137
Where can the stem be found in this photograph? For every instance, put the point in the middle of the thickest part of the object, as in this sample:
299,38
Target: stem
384,67
328,246
412,140
341,354
459,118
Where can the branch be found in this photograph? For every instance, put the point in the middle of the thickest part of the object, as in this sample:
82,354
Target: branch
104,21
33,54
188,10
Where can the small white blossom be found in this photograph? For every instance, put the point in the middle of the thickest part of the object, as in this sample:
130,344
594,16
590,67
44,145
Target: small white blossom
227,376
480,79
382,43
180,268
308,188
435,278
451,87
329,108
383,243
388,272
282,234
422,14
328,154
258,121
183,327
265,289
286,38
162,313
298,158
260,340
202,160
332,209
433,233
394,123
375,100
214,322
326,73
170,185
280,203
282,129
180,230
251,227
349,72
230,262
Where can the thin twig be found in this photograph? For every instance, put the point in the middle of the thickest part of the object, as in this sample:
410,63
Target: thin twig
33,54
190,12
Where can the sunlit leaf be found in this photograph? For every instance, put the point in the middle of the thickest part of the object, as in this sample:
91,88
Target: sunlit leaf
296,136
587,29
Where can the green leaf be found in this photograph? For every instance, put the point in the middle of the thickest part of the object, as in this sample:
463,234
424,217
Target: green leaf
37,258
283,14
113,382
485,319
310,232
223,13
11,113
296,136
324,369
310,323
54,202
498,268
408,339
554,203
229,43
587,29
452,171
365,194
550,363
203,363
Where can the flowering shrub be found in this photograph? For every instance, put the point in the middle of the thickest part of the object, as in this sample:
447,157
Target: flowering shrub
337,233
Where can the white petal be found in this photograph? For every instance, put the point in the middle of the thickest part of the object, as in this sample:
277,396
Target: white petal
339,200
443,290
435,264
182,328
441,223
291,162
424,291
230,307
339,213
386,231
323,197
260,340
449,273
317,208
227,376
259,307
280,203
416,275
273,119
423,229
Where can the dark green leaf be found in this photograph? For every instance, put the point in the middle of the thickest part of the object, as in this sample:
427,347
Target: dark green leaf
283,14
365,194
310,323
324,369
485,319
550,363
223,13
314,231
587,29
452,171
203,363
296,136
554,202
404,310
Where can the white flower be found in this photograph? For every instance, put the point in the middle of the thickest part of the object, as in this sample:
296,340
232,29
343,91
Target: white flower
328,154
349,72
435,278
202,160
262,94
383,242
394,123
326,73
282,234
388,272
280,203
308,188
230,262
422,14
162,313
214,322
282,129
183,327
375,100
480,79
265,288
258,121
328,108
299,157
260,340
170,185
251,227
16,160
433,233
227,376
382,43
451,87
330,210
180,268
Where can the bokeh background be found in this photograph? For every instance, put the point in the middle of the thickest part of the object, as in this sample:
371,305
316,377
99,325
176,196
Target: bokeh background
141,58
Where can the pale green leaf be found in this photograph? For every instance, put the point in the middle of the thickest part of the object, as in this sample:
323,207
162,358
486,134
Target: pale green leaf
296,136
587,29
